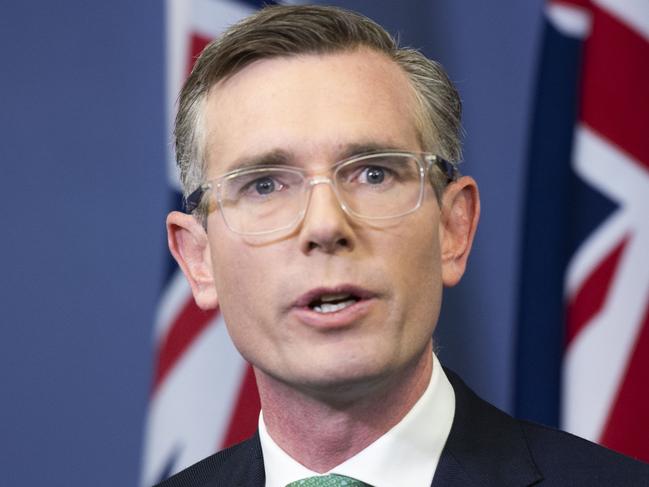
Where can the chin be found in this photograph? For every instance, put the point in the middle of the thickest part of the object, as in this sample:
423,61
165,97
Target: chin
343,379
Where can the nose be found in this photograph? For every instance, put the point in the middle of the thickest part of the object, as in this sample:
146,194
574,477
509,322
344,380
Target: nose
326,226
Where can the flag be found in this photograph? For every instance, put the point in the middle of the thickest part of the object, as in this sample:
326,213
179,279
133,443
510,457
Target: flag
203,396
583,336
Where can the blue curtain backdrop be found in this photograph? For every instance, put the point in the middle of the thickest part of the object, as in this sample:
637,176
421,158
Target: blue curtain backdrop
82,173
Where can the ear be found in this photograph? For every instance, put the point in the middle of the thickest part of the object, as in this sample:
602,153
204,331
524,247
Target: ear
458,222
189,245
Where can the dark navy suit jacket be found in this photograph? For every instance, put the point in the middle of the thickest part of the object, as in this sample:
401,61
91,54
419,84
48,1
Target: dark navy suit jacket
485,447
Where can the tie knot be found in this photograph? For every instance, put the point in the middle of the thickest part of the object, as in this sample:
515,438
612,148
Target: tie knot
331,480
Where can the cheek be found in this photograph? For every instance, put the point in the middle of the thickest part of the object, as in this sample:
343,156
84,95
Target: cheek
242,278
243,302
246,278
420,272
418,247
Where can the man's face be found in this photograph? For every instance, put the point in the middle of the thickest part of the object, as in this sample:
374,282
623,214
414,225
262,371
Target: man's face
315,110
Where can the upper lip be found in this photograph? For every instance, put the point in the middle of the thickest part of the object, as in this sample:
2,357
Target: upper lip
307,298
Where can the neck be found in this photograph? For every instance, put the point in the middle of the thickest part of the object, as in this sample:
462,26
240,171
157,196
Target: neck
336,429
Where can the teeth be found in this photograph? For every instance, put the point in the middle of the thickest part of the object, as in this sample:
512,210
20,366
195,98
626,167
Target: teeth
332,308
333,297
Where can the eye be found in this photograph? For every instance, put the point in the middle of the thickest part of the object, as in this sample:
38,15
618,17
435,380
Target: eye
259,186
265,185
373,175
378,173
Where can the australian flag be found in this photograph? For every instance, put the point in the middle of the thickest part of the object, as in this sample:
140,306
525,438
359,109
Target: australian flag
583,344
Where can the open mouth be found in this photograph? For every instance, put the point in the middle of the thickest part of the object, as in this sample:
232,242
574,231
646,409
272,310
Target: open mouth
330,303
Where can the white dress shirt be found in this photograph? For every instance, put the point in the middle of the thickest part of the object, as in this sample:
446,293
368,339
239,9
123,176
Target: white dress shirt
405,455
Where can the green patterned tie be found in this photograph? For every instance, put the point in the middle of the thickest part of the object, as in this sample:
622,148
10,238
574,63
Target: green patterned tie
331,480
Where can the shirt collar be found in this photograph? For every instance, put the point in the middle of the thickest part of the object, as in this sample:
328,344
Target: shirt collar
405,455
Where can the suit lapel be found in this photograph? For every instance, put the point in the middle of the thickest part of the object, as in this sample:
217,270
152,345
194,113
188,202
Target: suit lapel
241,465
485,446
246,464
450,472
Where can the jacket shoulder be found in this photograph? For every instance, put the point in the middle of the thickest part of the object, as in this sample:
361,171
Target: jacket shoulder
241,464
575,460
486,447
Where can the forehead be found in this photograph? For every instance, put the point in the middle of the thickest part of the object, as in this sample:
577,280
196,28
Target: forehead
313,107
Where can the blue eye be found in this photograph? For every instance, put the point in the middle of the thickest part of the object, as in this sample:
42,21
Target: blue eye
259,187
374,174
265,185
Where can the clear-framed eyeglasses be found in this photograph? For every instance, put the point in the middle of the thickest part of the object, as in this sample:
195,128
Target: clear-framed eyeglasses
378,186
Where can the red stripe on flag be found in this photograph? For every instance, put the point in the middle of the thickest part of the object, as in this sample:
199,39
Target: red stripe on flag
187,326
584,4
627,427
615,96
245,414
589,299
197,43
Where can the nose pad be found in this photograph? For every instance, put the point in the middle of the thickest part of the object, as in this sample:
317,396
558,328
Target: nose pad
315,180
321,180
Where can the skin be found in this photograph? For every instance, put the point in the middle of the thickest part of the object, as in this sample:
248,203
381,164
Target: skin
342,382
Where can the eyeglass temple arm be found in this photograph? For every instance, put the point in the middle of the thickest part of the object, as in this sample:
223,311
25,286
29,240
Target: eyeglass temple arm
449,169
194,199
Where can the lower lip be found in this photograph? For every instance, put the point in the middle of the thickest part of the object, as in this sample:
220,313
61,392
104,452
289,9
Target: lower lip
338,319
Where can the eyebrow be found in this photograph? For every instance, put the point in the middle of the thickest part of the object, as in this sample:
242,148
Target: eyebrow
280,157
358,149
272,158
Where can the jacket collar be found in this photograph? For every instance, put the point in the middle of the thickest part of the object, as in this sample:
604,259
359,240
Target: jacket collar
485,446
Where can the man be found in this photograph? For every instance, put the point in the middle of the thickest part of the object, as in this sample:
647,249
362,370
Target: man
326,219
